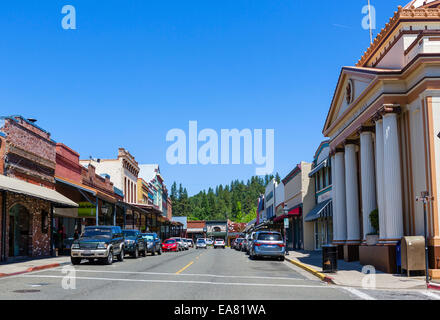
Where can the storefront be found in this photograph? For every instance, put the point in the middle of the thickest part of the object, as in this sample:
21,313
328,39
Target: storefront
25,218
321,216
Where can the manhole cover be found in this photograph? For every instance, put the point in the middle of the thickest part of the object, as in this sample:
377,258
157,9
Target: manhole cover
27,291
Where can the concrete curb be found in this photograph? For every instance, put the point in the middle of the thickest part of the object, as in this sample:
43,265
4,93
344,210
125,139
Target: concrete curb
316,273
32,269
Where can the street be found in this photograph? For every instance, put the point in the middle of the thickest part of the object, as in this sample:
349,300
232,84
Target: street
211,274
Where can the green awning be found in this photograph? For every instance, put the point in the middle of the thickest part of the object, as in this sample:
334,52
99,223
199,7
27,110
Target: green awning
323,209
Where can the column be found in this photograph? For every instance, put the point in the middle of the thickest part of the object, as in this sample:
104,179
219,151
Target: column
335,216
380,179
368,186
392,177
340,223
352,197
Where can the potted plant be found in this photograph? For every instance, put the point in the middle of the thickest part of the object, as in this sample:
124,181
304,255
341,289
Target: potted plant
373,237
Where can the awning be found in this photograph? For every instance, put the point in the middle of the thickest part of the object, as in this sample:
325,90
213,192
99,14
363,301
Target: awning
66,212
295,212
318,167
323,209
22,187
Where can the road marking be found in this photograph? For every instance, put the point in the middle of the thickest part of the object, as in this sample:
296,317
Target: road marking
430,294
188,274
188,282
358,293
183,269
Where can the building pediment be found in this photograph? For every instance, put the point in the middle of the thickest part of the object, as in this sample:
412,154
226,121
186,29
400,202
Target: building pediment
351,85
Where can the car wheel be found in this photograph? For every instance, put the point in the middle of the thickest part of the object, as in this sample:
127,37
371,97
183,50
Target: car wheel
281,258
75,261
154,252
121,255
144,253
136,253
109,259
160,251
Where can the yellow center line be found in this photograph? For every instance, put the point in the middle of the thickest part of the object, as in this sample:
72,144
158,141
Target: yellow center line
181,270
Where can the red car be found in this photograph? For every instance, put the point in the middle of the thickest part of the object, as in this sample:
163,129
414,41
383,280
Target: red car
170,245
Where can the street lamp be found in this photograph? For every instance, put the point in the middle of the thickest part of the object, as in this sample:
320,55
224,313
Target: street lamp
286,211
425,198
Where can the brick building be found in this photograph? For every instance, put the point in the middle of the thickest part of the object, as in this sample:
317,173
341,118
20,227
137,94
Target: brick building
28,198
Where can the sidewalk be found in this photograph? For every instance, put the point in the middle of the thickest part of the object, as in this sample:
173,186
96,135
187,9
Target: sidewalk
350,273
29,265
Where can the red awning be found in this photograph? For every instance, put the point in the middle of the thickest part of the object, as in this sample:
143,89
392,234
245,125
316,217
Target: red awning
296,212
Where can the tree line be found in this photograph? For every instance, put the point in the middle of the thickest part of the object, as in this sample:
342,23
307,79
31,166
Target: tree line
236,201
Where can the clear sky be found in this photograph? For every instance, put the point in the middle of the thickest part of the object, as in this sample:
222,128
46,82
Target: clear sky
134,69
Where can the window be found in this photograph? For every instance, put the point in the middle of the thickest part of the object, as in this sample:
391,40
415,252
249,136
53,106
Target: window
269,237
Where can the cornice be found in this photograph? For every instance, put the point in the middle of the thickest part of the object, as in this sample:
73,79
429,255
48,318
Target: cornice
401,14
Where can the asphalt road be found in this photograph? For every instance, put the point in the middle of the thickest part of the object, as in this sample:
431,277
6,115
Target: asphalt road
213,274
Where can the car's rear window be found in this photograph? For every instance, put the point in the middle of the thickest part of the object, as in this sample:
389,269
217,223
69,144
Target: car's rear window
269,237
170,241
200,241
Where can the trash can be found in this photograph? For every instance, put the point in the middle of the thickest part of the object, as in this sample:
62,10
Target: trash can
329,258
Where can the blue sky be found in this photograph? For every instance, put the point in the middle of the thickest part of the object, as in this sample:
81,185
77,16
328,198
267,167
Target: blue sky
132,70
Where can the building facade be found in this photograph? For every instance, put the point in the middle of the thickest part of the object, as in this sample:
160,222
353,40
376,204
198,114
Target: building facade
383,126
27,184
299,198
322,214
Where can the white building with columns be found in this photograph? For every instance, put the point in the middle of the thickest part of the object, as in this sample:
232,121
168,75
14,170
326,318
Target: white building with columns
383,124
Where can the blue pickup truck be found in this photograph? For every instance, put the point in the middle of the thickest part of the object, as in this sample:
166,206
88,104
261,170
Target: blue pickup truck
154,244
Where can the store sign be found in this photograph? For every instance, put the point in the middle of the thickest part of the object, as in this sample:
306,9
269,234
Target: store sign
86,209
286,223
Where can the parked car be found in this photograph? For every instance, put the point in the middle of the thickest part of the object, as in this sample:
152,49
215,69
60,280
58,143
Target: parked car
237,243
219,243
209,241
201,244
99,242
268,244
154,244
134,243
190,243
170,245
249,242
182,244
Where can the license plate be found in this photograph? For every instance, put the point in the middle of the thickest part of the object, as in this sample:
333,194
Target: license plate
87,253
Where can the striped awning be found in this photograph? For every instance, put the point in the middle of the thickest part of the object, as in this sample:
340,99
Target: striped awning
318,167
322,210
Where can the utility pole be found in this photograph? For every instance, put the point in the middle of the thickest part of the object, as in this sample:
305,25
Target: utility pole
425,198
369,20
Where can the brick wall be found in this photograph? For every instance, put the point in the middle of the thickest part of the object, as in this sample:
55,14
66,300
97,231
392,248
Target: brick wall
39,242
67,163
31,139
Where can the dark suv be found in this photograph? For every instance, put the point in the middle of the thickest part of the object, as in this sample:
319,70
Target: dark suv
153,243
134,243
98,242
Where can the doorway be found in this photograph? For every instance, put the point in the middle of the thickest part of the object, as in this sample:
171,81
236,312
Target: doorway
19,226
